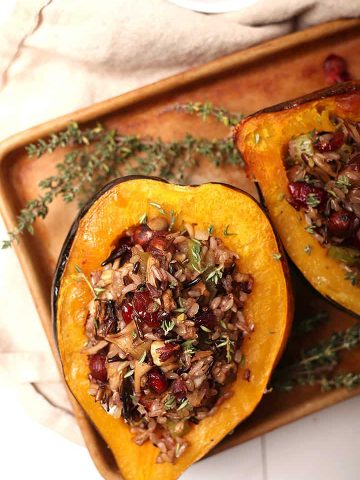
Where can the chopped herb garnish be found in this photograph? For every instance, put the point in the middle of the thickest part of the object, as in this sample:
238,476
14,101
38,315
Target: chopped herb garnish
211,229
143,218
215,275
179,310
195,255
276,256
343,183
243,360
129,373
96,323
312,200
223,324
167,326
207,330
188,347
170,402
310,229
158,206
229,345
82,276
226,231
134,334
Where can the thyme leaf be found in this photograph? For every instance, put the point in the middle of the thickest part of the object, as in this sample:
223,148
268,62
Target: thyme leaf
170,402
343,183
188,347
207,110
317,363
158,206
312,200
215,275
99,155
226,231
167,326
81,276
143,218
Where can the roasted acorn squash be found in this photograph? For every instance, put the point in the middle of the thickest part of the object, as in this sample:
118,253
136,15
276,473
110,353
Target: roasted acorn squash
119,206
262,139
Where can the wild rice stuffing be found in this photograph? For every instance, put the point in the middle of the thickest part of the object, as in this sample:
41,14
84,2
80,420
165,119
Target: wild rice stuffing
165,330
323,169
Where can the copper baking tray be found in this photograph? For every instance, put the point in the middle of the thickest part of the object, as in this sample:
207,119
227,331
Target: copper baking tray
245,81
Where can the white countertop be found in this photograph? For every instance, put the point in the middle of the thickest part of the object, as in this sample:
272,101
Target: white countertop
323,446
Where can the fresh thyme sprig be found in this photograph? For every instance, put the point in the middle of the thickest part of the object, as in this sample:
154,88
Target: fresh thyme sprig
207,109
316,364
310,323
99,155
343,380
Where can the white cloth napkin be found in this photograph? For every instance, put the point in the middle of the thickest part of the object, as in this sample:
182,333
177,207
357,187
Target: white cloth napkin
60,55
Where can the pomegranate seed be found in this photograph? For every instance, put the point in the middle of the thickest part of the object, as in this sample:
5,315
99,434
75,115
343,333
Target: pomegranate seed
127,311
157,381
142,235
179,389
143,306
97,367
341,223
330,141
205,319
335,69
300,192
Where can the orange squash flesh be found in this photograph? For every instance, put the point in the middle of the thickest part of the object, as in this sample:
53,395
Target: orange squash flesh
262,139
269,306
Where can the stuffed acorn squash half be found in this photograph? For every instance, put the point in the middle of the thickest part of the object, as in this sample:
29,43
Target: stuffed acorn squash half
171,307
305,156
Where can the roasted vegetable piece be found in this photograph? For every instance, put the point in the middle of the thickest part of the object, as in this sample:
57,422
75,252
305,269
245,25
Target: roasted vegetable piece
91,239
264,138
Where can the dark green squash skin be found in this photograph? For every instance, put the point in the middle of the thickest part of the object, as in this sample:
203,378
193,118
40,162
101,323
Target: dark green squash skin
345,88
